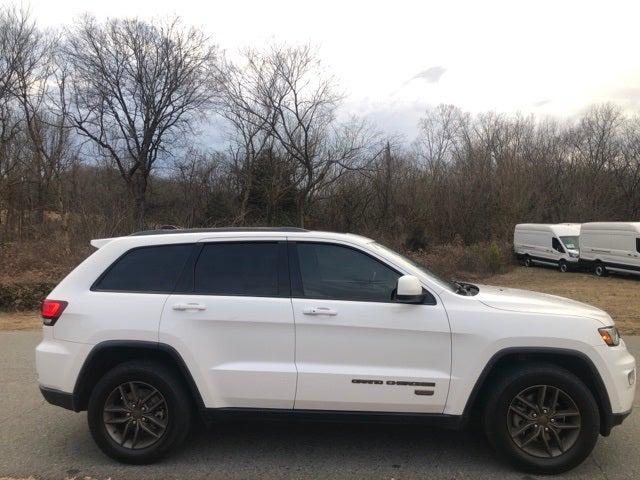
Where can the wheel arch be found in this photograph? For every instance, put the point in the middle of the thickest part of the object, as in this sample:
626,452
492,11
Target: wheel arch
106,355
574,361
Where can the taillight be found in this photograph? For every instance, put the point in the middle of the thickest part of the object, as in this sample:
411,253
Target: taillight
51,310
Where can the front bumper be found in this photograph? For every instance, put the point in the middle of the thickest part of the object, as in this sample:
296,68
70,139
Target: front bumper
617,367
611,421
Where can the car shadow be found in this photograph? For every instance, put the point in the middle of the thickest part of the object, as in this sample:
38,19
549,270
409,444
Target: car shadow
290,450
331,449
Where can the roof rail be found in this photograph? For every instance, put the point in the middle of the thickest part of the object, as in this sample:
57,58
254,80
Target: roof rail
173,230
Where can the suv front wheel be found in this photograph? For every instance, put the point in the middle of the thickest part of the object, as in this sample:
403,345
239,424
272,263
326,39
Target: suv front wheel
542,418
138,411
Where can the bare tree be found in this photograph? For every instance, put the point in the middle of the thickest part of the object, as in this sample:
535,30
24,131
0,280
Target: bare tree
298,103
137,88
244,101
40,93
16,33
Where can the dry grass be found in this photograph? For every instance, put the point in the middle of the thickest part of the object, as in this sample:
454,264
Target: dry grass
456,260
617,295
20,321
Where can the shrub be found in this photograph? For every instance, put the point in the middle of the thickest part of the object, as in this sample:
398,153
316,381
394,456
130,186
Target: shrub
23,296
469,261
495,258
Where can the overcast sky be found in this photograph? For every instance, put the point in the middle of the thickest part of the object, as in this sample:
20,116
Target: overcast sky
395,58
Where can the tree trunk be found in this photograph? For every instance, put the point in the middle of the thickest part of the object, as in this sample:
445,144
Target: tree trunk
138,191
301,207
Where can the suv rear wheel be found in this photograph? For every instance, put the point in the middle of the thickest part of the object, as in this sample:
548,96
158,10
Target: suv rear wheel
138,411
542,418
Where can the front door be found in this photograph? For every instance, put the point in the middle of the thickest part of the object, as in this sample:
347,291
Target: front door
557,249
357,349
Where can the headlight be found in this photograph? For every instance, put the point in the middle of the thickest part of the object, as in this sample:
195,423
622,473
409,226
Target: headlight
573,255
610,335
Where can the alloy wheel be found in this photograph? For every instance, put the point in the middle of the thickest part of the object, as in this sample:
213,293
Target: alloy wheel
135,415
543,421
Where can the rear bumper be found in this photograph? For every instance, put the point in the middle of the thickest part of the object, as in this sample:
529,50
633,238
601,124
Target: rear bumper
58,363
58,398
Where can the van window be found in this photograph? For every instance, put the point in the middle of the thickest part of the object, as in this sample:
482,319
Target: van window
555,243
638,245
242,268
341,273
153,269
571,242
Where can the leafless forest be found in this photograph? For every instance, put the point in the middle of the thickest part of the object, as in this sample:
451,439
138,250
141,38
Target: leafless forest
98,122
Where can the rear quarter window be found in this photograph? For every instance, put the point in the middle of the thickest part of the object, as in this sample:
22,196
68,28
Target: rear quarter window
153,269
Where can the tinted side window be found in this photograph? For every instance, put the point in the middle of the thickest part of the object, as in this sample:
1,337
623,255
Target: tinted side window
249,269
638,245
147,269
342,273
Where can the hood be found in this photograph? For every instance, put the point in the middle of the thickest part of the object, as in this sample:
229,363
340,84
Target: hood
514,300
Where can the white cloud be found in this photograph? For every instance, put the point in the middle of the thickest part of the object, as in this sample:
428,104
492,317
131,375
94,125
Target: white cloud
546,57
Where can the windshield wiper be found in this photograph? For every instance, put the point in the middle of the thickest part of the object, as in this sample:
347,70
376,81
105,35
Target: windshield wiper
459,286
463,288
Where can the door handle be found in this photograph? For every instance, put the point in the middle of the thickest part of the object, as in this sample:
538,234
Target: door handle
319,311
189,306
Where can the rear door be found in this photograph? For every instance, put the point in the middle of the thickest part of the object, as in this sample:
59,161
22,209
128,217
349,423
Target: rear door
233,324
356,349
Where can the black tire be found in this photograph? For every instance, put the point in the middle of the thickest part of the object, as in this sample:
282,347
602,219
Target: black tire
600,269
563,266
527,261
499,414
175,409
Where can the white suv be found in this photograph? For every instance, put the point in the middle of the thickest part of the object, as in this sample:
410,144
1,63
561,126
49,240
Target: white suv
158,328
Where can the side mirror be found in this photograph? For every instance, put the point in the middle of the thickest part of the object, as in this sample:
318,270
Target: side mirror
409,290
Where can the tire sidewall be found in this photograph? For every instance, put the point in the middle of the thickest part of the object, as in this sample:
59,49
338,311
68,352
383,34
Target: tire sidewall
527,262
600,270
498,432
178,413
564,267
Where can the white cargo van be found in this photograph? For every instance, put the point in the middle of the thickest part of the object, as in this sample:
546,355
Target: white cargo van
611,246
555,245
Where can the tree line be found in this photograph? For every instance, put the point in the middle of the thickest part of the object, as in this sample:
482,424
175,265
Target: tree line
100,121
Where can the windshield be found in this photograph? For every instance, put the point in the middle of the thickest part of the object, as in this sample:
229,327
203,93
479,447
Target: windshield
402,259
571,242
